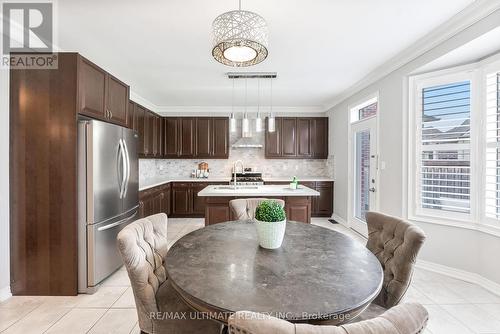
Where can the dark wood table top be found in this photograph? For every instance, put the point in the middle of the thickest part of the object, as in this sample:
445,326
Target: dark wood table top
316,273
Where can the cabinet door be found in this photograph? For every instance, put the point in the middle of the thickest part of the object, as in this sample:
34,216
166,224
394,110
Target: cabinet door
220,141
170,137
92,89
324,203
157,136
204,137
298,209
141,129
167,199
319,137
304,137
117,101
289,137
273,140
149,132
181,199
187,137
198,202
131,116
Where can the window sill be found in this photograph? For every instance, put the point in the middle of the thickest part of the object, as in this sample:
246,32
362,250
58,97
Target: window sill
484,228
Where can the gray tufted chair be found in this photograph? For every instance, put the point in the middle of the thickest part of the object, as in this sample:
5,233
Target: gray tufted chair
143,247
244,208
402,319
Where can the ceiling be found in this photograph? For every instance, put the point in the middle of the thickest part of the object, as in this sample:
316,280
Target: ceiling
162,48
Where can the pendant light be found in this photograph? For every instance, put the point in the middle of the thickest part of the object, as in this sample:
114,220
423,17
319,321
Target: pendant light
245,125
240,38
271,125
258,120
232,120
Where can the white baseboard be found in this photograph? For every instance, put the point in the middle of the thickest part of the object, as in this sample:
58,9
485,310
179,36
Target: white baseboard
5,293
461,275
339,220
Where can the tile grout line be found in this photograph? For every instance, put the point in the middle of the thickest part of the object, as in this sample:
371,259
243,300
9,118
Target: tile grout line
15,322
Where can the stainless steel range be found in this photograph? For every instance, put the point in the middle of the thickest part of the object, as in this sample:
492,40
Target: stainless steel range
248,179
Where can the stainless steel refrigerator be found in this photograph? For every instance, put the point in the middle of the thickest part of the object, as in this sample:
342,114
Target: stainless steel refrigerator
108,197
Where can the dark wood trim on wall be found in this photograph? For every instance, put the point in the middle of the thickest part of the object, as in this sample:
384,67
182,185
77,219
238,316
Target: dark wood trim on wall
43,174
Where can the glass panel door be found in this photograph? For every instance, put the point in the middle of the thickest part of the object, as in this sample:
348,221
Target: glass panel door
364,162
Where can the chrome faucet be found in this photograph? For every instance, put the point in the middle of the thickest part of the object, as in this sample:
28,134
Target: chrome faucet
234,170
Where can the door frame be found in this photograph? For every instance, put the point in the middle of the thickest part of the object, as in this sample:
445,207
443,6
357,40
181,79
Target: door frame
353,224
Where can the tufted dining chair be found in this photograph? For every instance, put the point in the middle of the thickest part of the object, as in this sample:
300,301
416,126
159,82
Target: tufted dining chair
244,208
143,247
402,319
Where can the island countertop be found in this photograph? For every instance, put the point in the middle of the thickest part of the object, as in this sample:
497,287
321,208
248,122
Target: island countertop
256,191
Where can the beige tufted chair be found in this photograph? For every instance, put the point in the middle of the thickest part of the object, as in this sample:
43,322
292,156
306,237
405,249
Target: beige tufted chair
244,209
402,319
143,247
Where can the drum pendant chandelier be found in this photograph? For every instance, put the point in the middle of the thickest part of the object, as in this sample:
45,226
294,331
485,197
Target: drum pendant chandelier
240,38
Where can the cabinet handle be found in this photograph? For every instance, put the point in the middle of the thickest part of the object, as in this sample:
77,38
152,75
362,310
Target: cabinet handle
110,114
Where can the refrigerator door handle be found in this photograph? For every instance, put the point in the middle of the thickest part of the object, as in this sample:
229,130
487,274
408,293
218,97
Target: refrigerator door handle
123,168
120,222
127,164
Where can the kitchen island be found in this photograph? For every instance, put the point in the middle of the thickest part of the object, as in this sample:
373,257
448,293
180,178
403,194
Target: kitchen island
217,197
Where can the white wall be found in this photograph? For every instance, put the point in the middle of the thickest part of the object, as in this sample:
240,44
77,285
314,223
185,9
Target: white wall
467,250
4,185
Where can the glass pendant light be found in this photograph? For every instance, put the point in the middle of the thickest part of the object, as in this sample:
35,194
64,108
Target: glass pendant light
271,124
245,125
258,120
232,120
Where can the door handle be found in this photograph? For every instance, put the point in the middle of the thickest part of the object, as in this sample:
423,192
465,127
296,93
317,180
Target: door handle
372,190
120,222
127,167
124,168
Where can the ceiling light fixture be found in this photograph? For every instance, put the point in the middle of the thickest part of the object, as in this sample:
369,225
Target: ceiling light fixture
232,120
240,38
271,124
258,119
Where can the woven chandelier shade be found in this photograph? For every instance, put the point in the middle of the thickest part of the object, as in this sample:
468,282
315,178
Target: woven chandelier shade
240,38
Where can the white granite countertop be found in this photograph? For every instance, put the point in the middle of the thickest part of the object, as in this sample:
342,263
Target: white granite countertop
158,181
265,190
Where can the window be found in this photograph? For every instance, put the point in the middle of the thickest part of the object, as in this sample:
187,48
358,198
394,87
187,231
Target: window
445,147
364,110
492,163
454,145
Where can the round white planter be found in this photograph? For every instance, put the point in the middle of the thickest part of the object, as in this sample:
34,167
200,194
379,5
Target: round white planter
270,234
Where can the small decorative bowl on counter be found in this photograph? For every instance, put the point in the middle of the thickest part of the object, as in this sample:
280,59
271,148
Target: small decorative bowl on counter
270,221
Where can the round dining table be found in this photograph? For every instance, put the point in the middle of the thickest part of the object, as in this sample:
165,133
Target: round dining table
317,273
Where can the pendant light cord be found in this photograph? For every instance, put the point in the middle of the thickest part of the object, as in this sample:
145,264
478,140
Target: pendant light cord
271,97
258,96
245,97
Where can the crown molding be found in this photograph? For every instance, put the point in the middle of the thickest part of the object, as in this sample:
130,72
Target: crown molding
470,15
193,110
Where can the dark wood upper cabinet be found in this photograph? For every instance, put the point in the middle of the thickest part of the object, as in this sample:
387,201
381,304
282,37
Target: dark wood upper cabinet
298,138
101,95
289,137
92,89
304,137
273,140
204,137
158,137
319,137
170,137
131,116
141,129
220,142
187,137
117,100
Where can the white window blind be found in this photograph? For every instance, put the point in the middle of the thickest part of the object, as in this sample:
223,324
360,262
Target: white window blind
492,163
444,147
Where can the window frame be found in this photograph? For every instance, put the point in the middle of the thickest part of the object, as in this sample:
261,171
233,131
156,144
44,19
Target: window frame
416,85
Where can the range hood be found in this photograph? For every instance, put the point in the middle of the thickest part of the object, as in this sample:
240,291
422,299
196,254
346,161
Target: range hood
247,142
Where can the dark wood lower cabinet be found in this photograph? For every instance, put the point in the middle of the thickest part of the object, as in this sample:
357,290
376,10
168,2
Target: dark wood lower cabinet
217,209
154,200
322,205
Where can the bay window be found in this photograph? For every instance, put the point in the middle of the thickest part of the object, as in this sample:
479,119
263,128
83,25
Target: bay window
454,145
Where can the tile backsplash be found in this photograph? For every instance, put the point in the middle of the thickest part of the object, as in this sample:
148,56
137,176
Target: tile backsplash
251,157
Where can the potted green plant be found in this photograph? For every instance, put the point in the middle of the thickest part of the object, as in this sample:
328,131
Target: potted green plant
270,221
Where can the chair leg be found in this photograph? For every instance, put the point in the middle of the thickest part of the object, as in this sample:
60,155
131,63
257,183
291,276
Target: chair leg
224,329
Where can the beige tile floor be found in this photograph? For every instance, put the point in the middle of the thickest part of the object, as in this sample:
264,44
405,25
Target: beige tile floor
455,306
